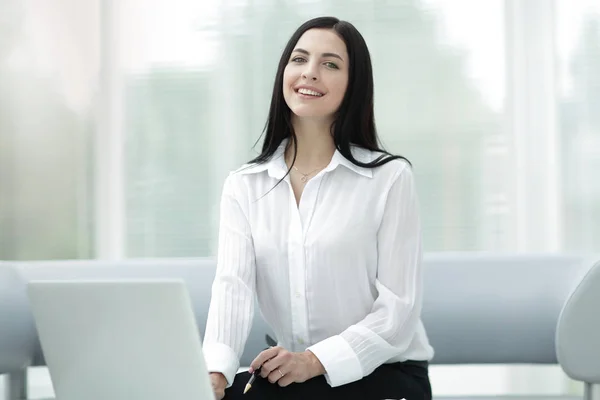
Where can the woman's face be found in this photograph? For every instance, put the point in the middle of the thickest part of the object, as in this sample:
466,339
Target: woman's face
316,76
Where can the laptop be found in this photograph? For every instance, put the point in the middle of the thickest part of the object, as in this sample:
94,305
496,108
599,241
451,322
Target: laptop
120,340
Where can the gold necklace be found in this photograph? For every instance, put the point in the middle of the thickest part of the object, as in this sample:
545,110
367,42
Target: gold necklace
304,178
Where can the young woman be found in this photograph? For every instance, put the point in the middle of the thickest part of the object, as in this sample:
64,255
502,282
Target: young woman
323,227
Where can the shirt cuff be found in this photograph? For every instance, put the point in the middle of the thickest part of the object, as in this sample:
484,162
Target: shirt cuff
221,358
341,364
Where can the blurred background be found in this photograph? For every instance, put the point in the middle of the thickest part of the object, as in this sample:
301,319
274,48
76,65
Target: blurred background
119,121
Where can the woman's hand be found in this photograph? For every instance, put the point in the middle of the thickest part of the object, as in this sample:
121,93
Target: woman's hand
218,383
281,366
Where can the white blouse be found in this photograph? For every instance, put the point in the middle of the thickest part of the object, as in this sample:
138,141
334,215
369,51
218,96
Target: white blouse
339,275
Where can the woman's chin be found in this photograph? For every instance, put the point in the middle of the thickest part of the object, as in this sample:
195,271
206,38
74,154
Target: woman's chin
310,113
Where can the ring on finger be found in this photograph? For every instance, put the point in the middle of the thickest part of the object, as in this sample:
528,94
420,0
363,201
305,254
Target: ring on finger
280,373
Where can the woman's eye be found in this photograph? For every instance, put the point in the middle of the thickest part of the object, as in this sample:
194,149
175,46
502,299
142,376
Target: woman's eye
297,59
331,65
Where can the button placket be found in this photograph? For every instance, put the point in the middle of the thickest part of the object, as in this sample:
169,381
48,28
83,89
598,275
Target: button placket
305,212
296,274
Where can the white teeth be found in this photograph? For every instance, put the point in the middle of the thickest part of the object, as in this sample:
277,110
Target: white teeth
309,92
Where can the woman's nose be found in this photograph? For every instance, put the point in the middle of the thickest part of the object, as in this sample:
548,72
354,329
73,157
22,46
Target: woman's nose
310,74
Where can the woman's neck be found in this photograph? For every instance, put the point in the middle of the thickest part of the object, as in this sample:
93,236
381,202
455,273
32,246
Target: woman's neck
315,144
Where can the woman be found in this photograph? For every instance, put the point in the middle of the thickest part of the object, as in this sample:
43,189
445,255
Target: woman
323,226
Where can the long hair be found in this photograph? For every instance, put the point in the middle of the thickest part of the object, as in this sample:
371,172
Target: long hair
354,121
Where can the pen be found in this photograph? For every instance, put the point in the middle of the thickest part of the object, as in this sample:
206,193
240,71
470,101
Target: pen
251,380
271,343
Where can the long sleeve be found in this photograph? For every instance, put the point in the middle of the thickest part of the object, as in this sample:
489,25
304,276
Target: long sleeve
232,301
388,329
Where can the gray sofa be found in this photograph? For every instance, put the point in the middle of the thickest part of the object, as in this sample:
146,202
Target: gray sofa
479,308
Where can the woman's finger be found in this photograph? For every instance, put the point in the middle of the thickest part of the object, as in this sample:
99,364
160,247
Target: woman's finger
264,356
271,365
286,380
276,375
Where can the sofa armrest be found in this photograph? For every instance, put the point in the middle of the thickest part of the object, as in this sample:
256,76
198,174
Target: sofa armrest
578,329
17,328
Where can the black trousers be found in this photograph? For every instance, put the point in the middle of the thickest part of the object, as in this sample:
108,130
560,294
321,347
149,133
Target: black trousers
390,381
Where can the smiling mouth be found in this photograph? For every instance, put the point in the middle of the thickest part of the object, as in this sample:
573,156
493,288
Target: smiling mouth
308,92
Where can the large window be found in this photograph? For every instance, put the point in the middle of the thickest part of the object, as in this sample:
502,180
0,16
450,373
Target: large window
196,82
174,134
578,43
48,82
503,151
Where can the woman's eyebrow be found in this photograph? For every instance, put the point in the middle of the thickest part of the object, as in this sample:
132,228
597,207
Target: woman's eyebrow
298,50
